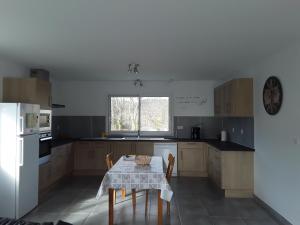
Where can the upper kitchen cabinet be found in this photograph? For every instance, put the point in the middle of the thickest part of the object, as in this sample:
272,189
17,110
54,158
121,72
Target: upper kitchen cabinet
27,90
234,98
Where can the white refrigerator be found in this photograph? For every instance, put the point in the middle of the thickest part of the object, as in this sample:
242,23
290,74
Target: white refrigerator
19,158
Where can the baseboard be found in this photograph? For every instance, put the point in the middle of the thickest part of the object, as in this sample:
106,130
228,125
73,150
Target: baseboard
89,172
233,193
272,211
192,174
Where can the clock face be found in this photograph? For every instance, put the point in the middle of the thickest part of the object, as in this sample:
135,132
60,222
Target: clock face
272,95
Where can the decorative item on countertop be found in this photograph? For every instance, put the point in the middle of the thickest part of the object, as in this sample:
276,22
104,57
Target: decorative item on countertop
143,160
128,157
272,95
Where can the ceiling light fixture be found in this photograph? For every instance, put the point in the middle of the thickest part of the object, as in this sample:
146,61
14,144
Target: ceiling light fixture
133,68
138,83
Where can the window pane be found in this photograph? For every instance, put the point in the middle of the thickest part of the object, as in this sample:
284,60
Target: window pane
124,113
155,114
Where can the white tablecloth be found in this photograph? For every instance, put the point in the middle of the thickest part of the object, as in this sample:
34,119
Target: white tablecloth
128,175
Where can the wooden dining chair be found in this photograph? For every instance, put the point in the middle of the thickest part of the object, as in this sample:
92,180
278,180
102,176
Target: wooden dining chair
109,163
171,162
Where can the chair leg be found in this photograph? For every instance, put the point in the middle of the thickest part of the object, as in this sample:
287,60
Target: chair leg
133,193
115,196
146,202
123,194
168,208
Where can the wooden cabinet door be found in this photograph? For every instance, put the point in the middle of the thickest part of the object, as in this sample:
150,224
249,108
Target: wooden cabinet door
122,148
69,159
229,98
214,165
43,94
27,90
84,155
144,148
217,101
101,150
234,98
192,158
44,176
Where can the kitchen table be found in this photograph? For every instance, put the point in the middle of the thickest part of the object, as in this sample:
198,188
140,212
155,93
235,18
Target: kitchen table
127,174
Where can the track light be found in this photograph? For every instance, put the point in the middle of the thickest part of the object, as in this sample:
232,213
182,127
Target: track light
133,68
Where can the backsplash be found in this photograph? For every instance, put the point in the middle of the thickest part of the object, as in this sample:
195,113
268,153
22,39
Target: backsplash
240,130
77,126
212,126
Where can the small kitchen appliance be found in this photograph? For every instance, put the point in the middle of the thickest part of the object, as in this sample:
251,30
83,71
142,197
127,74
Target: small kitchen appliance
223,135
196,133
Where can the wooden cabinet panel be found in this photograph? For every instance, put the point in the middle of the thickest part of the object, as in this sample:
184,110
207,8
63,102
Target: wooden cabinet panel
192,159
122,148
232,171
43,94
27,90
144,148
44,176
234,98
89,157
101,150
84,158
61,161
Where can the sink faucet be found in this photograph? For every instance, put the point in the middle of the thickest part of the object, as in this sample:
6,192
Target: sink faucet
139,133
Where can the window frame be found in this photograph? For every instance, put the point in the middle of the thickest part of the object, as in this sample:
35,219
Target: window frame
142,133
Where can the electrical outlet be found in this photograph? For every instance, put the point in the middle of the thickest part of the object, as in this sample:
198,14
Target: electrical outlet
242,131
296,140
179,127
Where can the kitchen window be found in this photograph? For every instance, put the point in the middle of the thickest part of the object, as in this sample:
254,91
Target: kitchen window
144,115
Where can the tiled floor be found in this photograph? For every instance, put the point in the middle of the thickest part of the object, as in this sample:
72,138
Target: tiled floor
195,202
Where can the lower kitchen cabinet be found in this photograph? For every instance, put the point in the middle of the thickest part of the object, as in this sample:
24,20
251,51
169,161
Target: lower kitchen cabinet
120,148
44,176
232,171
61,161
89,158
192,159
144,148
59,166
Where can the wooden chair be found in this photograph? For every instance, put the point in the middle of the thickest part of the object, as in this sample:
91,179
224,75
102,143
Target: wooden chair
109,163
171,162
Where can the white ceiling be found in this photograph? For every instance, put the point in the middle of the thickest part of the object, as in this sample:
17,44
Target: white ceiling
171,39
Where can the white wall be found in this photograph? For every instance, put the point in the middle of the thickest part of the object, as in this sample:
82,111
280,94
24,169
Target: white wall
7,69
90,98
277,156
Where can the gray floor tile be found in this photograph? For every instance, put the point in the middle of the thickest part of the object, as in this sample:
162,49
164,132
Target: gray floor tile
227,221
195,202
74,218
200,220
269,221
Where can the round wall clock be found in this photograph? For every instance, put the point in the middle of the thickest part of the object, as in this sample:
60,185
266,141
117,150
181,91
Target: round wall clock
272,95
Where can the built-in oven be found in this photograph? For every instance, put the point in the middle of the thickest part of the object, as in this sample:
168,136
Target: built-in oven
45,120
45,147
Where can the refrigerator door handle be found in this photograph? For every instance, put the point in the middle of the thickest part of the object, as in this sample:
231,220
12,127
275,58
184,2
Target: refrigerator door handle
21,152
21,124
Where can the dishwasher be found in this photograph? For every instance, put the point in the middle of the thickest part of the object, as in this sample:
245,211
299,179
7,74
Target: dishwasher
163,150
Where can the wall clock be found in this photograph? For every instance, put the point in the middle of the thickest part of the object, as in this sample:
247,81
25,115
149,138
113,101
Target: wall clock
272,95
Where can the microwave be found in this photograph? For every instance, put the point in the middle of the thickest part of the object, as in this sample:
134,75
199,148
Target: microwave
45,120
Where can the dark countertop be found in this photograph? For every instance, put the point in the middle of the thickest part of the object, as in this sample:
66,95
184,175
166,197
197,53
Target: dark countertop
229,146
223,146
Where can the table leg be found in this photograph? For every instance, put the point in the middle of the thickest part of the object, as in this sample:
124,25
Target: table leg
159,209
111,206
133,194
